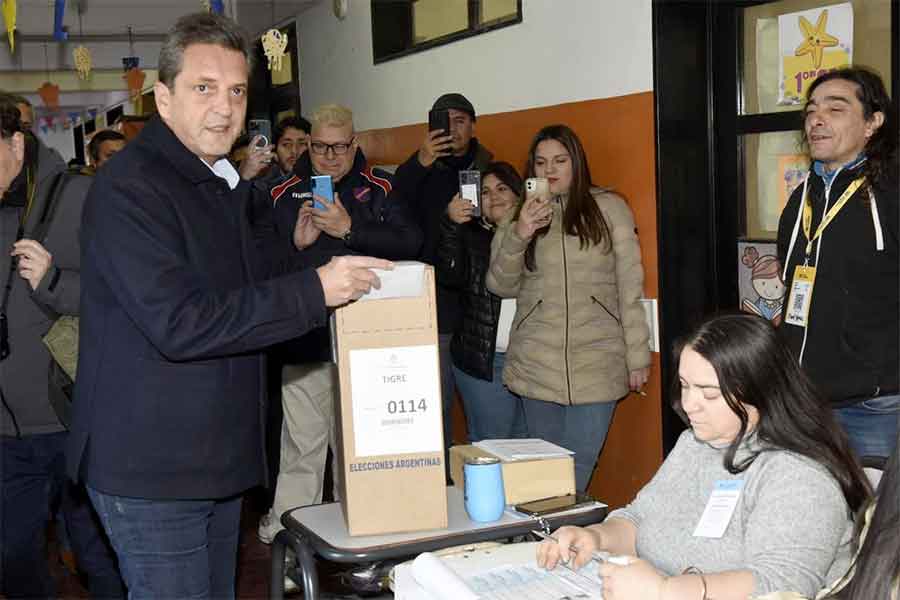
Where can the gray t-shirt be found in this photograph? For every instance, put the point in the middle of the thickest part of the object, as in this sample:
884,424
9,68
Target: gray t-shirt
791,527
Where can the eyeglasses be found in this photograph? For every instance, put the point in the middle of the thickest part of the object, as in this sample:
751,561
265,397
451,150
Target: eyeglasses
323,148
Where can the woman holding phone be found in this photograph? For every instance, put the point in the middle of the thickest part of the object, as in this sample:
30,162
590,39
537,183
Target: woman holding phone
571,259
478,347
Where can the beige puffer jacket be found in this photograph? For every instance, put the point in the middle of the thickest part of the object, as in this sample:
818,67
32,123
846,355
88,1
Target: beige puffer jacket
579,327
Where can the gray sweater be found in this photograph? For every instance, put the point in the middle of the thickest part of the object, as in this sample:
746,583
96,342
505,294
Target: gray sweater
791,527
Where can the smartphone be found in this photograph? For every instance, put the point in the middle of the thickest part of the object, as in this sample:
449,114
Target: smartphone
439,120
322,186
470,189
547,506
261,127
537,186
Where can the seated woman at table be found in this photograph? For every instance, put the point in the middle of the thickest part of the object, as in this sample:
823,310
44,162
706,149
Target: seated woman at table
757,496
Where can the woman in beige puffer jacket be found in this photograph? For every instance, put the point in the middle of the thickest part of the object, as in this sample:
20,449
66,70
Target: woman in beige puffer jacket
579,339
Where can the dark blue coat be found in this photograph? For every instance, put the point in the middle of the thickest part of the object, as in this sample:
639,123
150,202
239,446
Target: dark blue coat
175,304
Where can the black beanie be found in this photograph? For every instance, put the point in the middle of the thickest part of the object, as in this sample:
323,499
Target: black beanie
455,101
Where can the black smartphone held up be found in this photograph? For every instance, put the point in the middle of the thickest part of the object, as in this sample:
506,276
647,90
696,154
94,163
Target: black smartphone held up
470,189
261,127
548,506
439,120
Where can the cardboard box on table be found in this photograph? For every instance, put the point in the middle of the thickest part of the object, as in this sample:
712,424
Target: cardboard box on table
523,480
389,426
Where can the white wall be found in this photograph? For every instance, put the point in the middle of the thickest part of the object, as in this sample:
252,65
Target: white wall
563,51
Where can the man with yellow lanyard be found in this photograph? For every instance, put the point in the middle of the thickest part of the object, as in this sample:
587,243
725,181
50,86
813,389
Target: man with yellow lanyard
838,243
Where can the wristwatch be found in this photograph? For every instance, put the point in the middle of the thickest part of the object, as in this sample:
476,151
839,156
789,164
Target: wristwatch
346,236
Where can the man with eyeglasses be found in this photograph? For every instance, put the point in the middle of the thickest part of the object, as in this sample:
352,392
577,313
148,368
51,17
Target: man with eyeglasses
368,216
40,212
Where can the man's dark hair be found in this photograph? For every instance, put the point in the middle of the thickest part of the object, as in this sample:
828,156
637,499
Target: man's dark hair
105,135
10,117
870,91
290,122
199,28
20,99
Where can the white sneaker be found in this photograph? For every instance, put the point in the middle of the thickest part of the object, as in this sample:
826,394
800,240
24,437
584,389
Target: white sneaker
269,526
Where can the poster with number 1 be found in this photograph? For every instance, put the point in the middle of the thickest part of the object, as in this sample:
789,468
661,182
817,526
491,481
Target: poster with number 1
812,42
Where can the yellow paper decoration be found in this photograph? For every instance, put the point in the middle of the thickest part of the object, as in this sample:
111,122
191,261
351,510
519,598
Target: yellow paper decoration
816,39
205,5
274,45
9,17
82,57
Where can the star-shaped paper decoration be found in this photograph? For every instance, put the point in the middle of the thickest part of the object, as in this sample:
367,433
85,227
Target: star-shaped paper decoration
816,39
49,93
135,79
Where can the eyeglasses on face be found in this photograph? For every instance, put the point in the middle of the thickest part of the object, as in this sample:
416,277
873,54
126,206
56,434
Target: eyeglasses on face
323,148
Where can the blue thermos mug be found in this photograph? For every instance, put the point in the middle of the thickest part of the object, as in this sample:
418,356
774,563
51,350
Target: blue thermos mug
485,499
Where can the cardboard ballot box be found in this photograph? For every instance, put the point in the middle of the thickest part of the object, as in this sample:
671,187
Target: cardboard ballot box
523,480
389,427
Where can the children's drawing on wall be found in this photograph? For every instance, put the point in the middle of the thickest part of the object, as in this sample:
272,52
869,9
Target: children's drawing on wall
759,280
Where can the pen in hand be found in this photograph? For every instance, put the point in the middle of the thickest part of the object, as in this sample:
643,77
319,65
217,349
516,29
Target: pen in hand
597,555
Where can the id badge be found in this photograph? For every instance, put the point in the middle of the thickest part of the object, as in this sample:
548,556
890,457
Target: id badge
800,297
719,508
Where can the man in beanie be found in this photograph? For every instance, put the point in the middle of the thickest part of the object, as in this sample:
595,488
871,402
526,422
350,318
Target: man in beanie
431,175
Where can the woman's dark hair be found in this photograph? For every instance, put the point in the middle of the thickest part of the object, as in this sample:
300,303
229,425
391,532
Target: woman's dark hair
881,148
199,28
878,562
582,216
506,173
287,123
756,369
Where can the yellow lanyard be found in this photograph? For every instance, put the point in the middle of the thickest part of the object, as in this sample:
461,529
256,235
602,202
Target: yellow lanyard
829,216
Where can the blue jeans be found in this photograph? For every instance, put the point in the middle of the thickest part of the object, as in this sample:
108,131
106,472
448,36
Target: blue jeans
34,481
872,425
581,428
492,411
173,548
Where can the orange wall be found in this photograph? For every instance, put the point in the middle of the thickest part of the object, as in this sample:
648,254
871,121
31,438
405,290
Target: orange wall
618,136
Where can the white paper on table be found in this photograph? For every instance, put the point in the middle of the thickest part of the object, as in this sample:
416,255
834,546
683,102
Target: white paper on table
405,280
522,449
396,400
508,572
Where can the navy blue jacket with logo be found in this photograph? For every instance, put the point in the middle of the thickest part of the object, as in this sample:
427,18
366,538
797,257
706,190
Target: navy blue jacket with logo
381,223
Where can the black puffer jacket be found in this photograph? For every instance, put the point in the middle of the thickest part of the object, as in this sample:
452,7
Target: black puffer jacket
463,258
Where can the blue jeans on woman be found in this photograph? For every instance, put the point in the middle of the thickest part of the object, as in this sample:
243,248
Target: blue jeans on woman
872,425
581,428
492,411
173,548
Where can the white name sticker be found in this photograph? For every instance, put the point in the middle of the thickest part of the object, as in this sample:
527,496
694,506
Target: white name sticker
719,508
396,400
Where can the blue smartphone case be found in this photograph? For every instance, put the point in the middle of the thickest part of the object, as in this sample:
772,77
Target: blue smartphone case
321,186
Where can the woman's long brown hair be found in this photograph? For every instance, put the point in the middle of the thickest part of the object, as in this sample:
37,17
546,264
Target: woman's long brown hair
581,217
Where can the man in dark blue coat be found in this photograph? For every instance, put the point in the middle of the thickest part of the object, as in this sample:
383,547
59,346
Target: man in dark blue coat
175,306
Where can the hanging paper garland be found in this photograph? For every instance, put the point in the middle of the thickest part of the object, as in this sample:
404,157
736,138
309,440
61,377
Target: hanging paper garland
59,12
74,117
274,45
49,93
83,63
9,17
